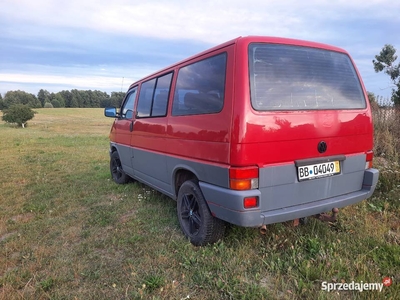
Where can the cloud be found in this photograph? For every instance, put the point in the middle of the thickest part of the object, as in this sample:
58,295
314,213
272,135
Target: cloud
206,21
54,79
139,37
77,81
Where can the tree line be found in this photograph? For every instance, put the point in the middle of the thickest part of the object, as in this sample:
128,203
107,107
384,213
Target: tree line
72,98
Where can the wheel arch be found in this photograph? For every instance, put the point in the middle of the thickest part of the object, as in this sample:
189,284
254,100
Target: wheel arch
113,148
181,174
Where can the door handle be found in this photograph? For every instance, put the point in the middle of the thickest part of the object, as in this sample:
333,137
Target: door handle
131,126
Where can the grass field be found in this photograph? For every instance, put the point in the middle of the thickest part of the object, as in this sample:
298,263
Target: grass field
68,232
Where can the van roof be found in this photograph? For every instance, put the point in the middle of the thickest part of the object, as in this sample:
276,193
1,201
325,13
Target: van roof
247,40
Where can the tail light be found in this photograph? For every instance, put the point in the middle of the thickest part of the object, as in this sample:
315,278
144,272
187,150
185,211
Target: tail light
250,202
368,159
243,178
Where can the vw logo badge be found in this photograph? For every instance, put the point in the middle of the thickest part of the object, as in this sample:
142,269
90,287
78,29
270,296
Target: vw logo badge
322,146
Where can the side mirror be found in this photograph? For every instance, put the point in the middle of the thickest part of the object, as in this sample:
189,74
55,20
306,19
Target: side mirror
110,112
129,114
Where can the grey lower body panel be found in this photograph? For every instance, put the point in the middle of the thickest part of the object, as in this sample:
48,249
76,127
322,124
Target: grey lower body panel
125,154
158,170
227,204
281,196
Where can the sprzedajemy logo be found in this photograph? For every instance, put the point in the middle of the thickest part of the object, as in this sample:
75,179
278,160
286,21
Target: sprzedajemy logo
356,286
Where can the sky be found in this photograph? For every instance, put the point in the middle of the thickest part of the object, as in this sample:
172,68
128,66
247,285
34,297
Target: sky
106,45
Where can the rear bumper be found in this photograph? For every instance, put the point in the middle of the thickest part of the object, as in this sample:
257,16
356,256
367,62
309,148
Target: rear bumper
227,204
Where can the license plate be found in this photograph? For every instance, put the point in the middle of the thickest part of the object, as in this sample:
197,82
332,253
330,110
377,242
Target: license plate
318,170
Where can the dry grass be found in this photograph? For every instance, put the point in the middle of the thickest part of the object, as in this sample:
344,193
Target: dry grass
68,232
387,132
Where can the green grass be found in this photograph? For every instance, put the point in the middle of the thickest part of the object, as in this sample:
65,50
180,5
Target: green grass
68,232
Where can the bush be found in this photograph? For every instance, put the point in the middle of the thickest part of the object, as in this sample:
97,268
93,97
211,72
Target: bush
19,114
387,132
387,156
56,103
48,105
387,191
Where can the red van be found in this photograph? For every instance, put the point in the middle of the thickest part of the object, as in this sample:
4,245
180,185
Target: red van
255,131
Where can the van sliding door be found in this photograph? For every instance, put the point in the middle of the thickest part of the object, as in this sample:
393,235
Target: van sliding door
149,131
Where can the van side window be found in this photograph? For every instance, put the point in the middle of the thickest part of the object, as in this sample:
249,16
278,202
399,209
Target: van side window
153,97
161,95
200,87
145,98
127,106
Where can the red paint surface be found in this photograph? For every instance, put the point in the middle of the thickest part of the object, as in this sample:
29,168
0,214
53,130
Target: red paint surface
241,136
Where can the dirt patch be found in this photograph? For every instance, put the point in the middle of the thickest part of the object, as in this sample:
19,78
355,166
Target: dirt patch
6,236
126,217
23,218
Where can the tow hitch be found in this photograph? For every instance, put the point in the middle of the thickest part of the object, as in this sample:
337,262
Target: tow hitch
324,217
328,218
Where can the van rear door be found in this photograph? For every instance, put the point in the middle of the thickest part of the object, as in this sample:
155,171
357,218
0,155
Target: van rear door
307,125
303,98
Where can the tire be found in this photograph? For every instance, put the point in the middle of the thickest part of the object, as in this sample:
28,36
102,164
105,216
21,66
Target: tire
195,219
117,173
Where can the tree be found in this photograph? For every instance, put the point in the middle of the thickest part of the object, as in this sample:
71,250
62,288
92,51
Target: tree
21,97
43,96
100,97
60,99
117,98
76,100
2,106
19,114
67,97
55,103
386,62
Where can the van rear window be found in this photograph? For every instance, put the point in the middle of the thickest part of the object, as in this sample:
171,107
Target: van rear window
286,77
